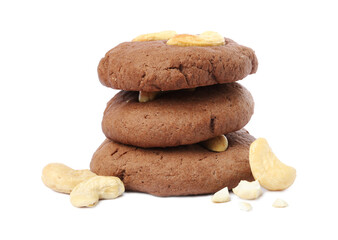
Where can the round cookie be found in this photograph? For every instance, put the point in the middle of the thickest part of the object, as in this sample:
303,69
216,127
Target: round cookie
177,117
183,170
155,66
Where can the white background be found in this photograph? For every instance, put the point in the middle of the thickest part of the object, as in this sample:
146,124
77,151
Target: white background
52,105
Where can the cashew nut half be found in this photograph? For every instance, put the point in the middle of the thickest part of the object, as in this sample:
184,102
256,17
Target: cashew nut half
221,196
248,190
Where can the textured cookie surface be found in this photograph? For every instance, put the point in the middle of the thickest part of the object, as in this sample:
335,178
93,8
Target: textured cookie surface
183,170
177,117
155,66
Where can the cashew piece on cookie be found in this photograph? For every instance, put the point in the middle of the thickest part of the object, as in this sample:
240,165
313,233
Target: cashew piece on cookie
216,144
147,96
207,38
164,35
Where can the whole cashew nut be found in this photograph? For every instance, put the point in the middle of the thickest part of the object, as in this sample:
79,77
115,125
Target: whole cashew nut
271,173
61,178
88,193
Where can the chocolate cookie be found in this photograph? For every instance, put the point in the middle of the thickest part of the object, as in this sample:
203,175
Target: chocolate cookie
154,65
183,170
177,117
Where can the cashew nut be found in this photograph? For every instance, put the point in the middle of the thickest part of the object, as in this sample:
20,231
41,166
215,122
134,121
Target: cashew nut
221,196
245,206
147,96
164,35
88,193
207,38
61,178
216,144
279,203
271,173
248,190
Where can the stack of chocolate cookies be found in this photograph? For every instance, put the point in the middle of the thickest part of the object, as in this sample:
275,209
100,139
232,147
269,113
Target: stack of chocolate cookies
176,103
